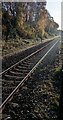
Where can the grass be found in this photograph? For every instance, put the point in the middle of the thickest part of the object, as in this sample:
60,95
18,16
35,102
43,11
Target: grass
57,69
18,44
14,45
55,102
52,90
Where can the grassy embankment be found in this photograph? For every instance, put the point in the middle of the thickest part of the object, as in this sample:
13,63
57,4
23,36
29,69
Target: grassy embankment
18,44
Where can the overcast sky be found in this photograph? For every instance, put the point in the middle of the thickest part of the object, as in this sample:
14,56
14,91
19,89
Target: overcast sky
54,8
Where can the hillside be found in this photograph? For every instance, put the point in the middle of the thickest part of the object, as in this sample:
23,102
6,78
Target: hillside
25,23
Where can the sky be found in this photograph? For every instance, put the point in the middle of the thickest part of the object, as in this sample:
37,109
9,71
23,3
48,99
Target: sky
54,8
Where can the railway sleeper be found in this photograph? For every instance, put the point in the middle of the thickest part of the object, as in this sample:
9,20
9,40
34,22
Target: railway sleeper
12,81
13,77
26,65
21,70
16,73
23,67
10,87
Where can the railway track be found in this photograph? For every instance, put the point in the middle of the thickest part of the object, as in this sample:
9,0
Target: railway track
11,59
15,76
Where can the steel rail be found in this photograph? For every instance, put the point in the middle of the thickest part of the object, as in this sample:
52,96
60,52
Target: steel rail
25,79
25,58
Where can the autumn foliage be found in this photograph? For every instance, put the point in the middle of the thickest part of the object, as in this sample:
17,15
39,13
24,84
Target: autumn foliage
26,20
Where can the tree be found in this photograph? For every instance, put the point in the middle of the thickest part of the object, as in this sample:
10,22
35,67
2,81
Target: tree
26,19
